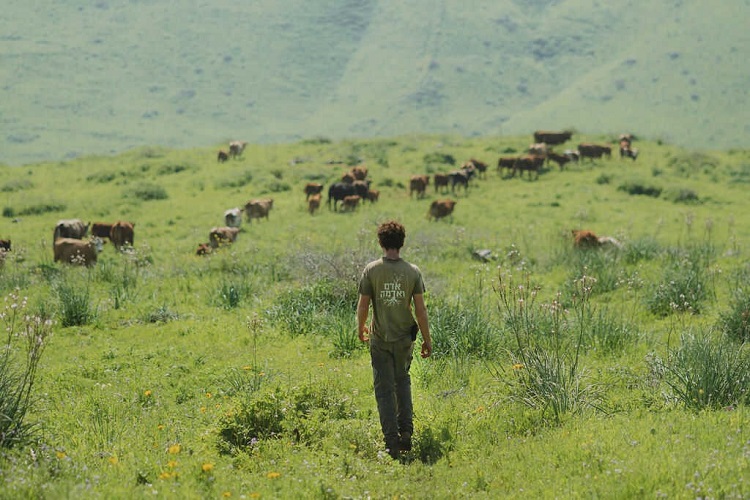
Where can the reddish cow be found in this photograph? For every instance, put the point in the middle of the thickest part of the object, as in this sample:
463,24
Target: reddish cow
121,234
561,160
255,209
441,208
373,195
204,249
441,181
101,229
350,202
528,163
313,203
75,251
506,162
418,184
359,172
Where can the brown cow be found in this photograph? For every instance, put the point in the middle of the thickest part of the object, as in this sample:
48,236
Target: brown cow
236,148
222,156
478,166
348,177
528,163
204,249
312,188
441,208
418,184
101,229
594,151
539,149
75,251
359,172
552,138
222,236
255,209
5,245
627,151
506,162
373,195
121,234
561,160
313,203
586,239
441,181
350,203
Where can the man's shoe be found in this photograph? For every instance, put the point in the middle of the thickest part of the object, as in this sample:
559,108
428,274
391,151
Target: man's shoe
404,442
392,447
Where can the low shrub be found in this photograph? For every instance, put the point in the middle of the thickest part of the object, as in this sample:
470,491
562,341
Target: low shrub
147,192
74,303
16,185
735,322
639,188
236,181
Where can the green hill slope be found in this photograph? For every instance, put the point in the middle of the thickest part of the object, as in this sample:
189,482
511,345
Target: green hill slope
81,77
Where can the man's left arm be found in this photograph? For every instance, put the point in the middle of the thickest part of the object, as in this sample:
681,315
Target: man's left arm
363,309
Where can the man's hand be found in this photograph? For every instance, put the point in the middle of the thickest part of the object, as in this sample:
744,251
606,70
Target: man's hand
426,349
364,334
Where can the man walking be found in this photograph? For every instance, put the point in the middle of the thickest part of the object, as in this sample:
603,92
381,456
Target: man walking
393,285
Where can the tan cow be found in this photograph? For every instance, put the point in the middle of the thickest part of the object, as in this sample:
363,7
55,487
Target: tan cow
75,251
255,209
441,208
222,236
350,203
312,188
313,203
122,234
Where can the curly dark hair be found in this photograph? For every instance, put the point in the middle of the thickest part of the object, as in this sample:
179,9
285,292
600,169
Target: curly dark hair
391,234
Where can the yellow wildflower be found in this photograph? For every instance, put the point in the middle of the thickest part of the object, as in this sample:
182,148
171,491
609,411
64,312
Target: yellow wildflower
174,449
207,467
147,393
172,464
227,494
247,367
60,455
517,366
160,427
254,494
273,475
113,460
208,395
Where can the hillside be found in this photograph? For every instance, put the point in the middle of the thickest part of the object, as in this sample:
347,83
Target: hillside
101,77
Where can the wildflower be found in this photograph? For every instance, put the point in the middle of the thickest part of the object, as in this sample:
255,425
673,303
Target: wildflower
227,494
254,494
147,393
113,460
160,427
167,475
174,449
203,409
172,464
518,366
700,391
207,467
247,367
60,455
480,409
273,475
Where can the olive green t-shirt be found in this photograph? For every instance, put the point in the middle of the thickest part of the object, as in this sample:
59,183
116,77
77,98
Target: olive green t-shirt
391,284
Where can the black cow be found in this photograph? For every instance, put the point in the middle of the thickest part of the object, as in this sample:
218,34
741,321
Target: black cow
340,190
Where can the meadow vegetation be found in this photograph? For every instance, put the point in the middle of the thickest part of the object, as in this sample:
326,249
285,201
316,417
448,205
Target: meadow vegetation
557,372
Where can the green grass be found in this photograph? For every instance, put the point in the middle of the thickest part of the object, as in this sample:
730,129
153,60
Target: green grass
173,375
108,77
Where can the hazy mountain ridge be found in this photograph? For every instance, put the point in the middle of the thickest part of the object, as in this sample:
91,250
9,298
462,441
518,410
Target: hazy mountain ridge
92,78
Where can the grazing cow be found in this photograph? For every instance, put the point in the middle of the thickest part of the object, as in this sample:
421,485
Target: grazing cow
312,188
441,181
561,160
222,236
474,164
313,203
627,151
461,178
101,229
373,195
236,148
76,251
233,217
552,138
204,249
222,156
121,234
528,163
594,151
71,228
338,191
539,149
5,245
255,209
587,239
573,154
350,203
441,208
418,184
506,162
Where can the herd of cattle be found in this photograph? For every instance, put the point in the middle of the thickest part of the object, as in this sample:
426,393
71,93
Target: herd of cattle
353,189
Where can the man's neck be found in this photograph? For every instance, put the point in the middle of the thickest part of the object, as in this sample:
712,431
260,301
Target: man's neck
392,254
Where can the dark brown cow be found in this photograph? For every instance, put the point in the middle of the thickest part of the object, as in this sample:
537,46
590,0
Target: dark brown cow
236,148
71,228
506,162
441,181
348,177
460,178
222,156
204,249
350,203
313,203
474,164
255,209
627,151
552,138
561,160
121,234
101,229
5,245
75,251
441,208
594,151
418,184
359,172
530,164
222,236
312,188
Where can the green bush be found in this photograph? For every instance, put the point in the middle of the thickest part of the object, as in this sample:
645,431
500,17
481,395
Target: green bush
735,322
16,185
75,304
438,158
147,192
638,188
236,181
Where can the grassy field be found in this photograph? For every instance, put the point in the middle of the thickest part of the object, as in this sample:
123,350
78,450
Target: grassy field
82,78
557,372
